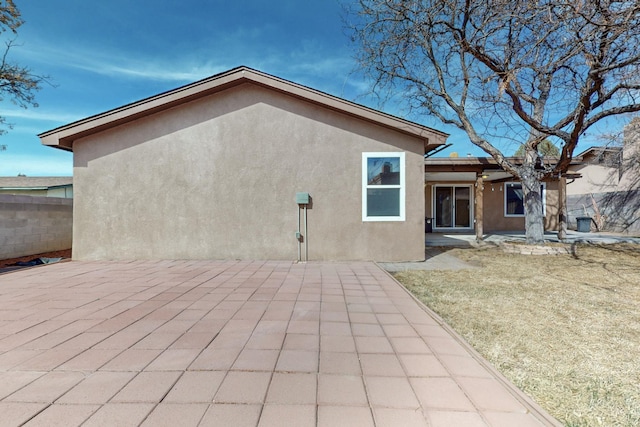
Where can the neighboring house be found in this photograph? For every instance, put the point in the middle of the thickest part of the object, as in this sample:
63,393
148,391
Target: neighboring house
475,195
212,170
609,189
600,170
38,186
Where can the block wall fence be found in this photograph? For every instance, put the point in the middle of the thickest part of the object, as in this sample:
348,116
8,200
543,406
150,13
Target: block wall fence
32,225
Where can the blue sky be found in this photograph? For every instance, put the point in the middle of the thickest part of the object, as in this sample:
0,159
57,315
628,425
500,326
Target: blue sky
101,55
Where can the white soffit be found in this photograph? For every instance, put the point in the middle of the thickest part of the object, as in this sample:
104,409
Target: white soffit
496,175
488,176
449,176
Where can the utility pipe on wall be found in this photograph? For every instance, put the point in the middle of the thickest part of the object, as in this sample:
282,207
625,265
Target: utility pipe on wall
303,200
306,241
298,237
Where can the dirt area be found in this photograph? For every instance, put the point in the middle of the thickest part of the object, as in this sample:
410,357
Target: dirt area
65,253
564,328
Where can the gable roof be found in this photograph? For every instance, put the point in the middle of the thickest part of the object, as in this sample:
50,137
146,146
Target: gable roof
599,151
63,137
34,182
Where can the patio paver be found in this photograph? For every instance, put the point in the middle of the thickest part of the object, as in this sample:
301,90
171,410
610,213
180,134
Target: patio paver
255,343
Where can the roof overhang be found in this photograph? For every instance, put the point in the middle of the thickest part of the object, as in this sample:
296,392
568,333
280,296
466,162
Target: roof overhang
490,175
63,137
9,183
32,188
466,169
23,188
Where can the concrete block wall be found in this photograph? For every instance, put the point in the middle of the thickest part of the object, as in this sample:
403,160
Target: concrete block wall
31,225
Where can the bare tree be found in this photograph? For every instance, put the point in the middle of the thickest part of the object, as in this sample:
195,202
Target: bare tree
521,69
17,82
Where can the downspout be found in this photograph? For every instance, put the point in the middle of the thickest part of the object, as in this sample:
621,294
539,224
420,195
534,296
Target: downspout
306,241
303,200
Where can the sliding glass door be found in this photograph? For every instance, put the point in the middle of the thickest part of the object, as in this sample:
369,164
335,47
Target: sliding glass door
452,206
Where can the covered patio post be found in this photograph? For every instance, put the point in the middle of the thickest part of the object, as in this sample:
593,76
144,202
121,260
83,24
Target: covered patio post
477,215
562,208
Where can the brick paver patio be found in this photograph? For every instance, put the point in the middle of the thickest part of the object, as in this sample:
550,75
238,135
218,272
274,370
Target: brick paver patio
206,343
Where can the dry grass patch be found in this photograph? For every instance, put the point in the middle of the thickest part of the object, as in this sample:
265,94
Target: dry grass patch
565,329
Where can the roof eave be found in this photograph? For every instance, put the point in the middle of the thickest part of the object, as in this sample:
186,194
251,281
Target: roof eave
599,149
486,161
23,188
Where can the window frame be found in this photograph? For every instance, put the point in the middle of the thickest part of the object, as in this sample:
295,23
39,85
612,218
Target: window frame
543,189
366,186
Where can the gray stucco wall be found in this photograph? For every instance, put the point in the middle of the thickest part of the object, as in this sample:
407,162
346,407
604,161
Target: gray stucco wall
621,210
33,225
216,179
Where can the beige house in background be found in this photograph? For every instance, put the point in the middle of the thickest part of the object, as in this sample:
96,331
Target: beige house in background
215,170
609,188
600,170
43,186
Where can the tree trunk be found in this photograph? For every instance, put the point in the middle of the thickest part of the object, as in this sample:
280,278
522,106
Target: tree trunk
479,208
533,211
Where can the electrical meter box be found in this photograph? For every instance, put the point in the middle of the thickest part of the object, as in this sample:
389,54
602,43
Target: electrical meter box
302,198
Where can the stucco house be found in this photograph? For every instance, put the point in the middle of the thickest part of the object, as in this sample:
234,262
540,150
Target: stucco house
475,195
223,169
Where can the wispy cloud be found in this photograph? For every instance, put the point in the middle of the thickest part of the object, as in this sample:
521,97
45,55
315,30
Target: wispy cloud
42,115
148,71
119,65
307,60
